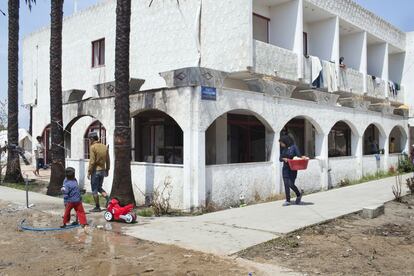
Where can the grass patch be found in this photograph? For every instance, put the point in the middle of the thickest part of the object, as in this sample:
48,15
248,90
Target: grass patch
88,199
367,178
147,212
32,186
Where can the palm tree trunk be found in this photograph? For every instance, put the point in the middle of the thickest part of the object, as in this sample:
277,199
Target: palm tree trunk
122,184
57,137
13,172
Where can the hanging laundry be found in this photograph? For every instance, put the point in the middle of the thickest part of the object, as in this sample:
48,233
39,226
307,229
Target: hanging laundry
330,76
316,68
392,90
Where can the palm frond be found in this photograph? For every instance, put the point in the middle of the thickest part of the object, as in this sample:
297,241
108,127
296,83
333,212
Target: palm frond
178,3
29,3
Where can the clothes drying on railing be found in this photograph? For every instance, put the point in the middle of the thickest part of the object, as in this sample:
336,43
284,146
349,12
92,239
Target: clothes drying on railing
330,76
393,88
316,72
343,79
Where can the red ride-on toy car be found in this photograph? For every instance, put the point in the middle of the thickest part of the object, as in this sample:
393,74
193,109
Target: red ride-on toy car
114,212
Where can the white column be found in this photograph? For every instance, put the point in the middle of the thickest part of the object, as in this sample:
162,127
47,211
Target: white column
335,52
364,61
385,141
276,165
385,72
357,150
322,148
194,185
298,47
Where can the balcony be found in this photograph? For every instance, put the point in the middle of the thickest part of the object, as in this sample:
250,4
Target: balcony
375,88
351,81
274,61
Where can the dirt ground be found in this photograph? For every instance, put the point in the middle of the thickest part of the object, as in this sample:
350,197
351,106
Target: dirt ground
94,252
348,246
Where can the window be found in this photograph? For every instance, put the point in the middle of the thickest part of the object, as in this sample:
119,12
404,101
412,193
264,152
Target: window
98,53
371,140
158,138
305,44
261,28
247,137
94,127
339,140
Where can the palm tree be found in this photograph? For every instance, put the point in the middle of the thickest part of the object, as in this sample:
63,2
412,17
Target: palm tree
122,184
13,171
57,133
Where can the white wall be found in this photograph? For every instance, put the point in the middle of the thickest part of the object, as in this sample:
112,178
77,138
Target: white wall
377,60
352,48
408,72
322,37
260,9
284,25
146,178
396,66
225,183
226,35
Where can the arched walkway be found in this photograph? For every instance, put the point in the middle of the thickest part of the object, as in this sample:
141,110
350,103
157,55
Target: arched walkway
157,138
76,132
373,140
397,140
305,135
341,140
238,136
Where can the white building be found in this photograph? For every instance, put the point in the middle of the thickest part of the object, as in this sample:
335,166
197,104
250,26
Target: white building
222,79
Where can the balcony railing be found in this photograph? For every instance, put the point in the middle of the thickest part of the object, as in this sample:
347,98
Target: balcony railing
375,87
275,61
351,81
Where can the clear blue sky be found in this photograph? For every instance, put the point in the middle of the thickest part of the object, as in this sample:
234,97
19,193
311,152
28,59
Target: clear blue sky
398,12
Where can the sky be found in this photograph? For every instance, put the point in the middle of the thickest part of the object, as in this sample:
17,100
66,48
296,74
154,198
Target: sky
398,12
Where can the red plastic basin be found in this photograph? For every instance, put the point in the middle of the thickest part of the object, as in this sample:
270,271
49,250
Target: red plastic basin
298,164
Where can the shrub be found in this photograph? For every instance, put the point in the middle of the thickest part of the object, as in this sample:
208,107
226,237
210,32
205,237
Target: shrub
161,198
405,165
397,188
410,185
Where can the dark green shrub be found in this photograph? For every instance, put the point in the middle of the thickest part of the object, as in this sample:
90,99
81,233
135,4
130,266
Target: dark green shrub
405,165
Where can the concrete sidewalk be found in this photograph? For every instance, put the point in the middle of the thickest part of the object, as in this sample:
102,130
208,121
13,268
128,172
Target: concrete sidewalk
230,231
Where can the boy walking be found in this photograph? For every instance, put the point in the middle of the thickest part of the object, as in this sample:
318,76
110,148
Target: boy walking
72,198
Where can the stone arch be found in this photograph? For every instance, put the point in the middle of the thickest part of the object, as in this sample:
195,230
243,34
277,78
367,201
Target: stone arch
259,116
343,139
140,111
306,133
78,134
157,138
374,138
238,136
398,139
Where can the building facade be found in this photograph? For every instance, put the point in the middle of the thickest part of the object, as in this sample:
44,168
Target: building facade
215,83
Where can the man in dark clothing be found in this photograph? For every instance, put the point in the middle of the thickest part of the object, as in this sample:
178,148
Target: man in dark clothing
288,151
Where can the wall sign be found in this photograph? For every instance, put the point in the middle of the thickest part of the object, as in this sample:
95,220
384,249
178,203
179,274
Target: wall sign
208,93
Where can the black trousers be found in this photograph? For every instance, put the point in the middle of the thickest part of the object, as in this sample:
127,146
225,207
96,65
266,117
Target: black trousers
290,184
